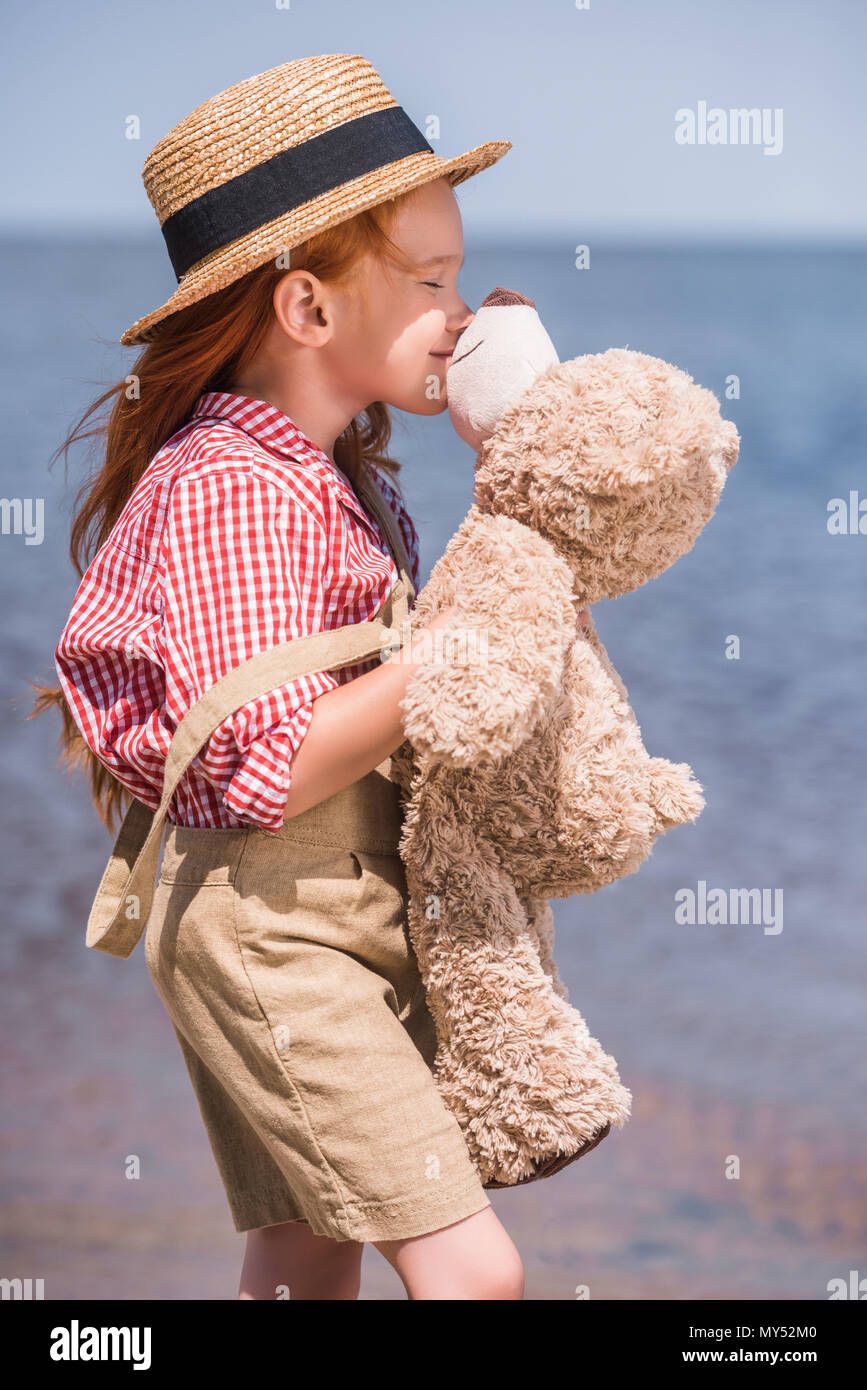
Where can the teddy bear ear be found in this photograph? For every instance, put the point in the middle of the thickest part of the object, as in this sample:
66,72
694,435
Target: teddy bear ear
730,445
722,454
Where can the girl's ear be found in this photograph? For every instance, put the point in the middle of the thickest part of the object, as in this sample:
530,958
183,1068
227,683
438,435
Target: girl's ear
302,308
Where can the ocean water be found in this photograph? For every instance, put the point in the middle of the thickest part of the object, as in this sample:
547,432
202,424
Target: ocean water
735,1040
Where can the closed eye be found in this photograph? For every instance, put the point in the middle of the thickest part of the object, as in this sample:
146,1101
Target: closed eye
433,284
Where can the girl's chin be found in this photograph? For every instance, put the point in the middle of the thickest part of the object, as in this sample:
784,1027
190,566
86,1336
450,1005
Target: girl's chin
431,398
437,405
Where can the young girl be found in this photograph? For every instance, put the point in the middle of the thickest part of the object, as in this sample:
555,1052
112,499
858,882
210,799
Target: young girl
247,520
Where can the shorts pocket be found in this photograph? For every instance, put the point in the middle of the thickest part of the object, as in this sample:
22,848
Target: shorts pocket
285,888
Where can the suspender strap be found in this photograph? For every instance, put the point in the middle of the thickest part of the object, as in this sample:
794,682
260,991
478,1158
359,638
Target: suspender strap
125,895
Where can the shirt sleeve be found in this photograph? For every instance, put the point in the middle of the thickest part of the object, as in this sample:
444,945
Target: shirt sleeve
108,670
245,566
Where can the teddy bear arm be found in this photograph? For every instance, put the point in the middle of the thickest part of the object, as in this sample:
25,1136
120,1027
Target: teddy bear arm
675,794
592,636
494,672
480,710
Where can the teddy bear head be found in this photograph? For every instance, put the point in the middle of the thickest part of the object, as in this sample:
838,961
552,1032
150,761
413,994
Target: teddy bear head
617,458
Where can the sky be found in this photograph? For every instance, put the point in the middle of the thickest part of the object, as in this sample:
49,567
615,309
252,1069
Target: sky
588,96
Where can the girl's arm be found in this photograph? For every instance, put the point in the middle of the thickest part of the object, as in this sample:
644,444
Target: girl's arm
355,727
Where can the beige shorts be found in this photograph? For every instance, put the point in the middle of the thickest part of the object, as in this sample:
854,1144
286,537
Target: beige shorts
287,971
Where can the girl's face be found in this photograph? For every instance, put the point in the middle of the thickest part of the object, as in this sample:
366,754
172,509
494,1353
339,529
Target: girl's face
396,327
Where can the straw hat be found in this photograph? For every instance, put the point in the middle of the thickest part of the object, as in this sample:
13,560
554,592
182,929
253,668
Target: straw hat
262,166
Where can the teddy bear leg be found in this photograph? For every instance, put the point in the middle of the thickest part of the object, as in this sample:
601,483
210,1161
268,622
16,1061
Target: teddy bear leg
515,1063
540,924
554,1165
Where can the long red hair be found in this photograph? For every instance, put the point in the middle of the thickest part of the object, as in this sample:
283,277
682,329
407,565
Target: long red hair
202,348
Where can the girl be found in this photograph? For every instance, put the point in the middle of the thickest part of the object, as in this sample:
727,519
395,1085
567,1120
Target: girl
247,519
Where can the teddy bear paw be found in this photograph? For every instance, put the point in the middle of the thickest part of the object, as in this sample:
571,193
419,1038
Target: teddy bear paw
675,795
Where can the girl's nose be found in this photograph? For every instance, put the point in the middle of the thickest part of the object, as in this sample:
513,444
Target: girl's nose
462,319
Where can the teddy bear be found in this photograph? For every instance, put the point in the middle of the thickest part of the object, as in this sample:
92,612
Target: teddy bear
523,776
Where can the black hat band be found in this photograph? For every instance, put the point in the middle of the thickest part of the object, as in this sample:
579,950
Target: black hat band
287,180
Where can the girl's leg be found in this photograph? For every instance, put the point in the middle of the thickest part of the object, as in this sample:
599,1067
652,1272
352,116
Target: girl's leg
311,1266
472,1259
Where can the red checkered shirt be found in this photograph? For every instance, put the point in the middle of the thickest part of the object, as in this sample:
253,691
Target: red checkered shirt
240,534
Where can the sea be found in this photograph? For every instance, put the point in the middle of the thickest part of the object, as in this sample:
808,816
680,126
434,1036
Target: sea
742,1171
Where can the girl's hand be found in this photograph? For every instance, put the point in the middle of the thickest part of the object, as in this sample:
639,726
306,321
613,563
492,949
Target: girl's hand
584,617
444,616
417,647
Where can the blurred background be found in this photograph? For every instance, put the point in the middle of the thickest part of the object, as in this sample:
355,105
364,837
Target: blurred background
742,263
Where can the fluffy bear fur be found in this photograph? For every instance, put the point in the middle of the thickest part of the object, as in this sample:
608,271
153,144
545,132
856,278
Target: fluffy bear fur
524,774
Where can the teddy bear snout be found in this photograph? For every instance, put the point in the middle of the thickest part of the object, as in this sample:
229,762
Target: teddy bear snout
460,357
